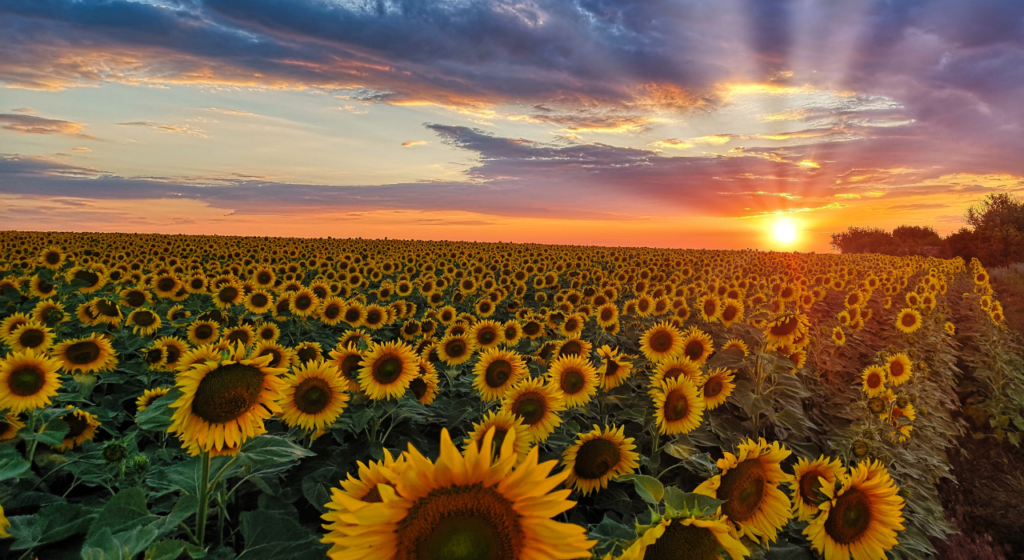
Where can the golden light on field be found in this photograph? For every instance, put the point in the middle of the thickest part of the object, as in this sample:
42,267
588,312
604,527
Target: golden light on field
785,230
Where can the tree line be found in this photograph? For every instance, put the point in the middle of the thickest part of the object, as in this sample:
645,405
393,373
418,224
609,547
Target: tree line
994,234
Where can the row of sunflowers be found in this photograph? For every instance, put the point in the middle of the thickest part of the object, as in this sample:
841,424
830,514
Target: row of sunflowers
227,397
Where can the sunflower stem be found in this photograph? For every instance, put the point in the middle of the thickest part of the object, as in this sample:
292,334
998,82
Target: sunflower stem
655,450
204,499
32,428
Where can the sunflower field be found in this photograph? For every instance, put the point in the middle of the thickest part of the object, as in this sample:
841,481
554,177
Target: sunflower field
168,397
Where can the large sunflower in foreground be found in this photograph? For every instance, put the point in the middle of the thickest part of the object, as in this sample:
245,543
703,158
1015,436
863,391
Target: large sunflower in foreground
806,488
860,519
597,457
224,403
688,538
538,404
576,377
86,355
496,372
314,396
678,406
504,424
387,370
28,380
660,342
464,506
749,486
363,488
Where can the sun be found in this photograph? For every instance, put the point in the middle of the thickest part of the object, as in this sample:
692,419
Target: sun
784,230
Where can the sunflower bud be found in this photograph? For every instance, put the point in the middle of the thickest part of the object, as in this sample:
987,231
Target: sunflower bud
140,463
876,405
902,401
115,452
860,448
54,317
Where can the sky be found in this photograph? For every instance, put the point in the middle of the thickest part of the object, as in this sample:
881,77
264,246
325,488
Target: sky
661,123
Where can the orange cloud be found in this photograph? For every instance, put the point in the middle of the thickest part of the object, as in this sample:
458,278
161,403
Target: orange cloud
413,143
173,128
31,124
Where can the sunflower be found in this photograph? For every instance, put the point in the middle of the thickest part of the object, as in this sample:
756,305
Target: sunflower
346,360
376,317
574,346
691,538
749,486
204,353
166,285
873,380
242,334
576,377
454,350
786,329
485,334
105,312
538,404
387,370
331,311
203,332
224,403
143,321
48,313
838,336
463,506
737,344
807,489
258,302
353,313
718,385
597,457
533,329
304,303
81,427
697,345
355,338
860,519
30,336
899,369
267,332
9,426
313,397
264,277
228,294
156,358
680,366
8,325
496,372
732,312
710,308
177,313
607,315
505,425
363,488
678,408
135,297
148,396
950,328
42,289
424,386
280,356
52,258
306,352
86,355
572,326
908,320
615,368
661,342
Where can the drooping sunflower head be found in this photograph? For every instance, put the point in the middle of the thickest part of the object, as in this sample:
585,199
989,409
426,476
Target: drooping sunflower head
224,403
496,372
678,406
538,404
9,426
661,342
749,486
314,396
597,457
387,369
425,385
576,377
81,428
861,518
697,345
899,371
737,344
806,488
786,329
86,355
718,385
28,380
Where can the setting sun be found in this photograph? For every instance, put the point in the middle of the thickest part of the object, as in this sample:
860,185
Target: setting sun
784,230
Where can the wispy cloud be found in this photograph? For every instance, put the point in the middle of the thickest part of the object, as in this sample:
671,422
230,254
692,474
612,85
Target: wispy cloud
31,124
414,143
173,128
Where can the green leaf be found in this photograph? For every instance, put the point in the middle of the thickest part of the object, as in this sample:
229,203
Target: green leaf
697,504
787,551
171,549
316,487
103,546
271,537
649,488
267,454
52,435
124,512
157,416
12,464
52,524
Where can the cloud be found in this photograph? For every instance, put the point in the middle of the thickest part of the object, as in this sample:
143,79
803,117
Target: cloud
236,112
673,143
173,128
414,143
31,124
80,149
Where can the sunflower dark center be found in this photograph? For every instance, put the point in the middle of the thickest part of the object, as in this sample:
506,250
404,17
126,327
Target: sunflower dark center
785,327
307,354
713,387
874,380
694,350
76,426
227,294
204,332
595,458
743,488
332,311
676,406
710,308
498,373
263,278
531,407
31,337
611,368
850,517
486,336
196,283
661,341
573,382
313,395
388,370
303,302
571,347
52,257
260,300
373,317
908,319
144,318
165,284
26,381
373,496
155,356
729,313
239,335
107,308
810,488
531,328
44,287
684,542
349,366
460,523
896,369
455,348
83,353
418,387
674,373
91,278
227,393
607,314
173,354
135,299
352,315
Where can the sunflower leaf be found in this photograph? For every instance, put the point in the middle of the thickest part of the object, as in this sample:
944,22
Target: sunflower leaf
52,435
157,416
12,465
649,488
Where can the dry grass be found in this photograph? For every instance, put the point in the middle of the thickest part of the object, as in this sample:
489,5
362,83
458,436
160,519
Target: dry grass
1009,286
